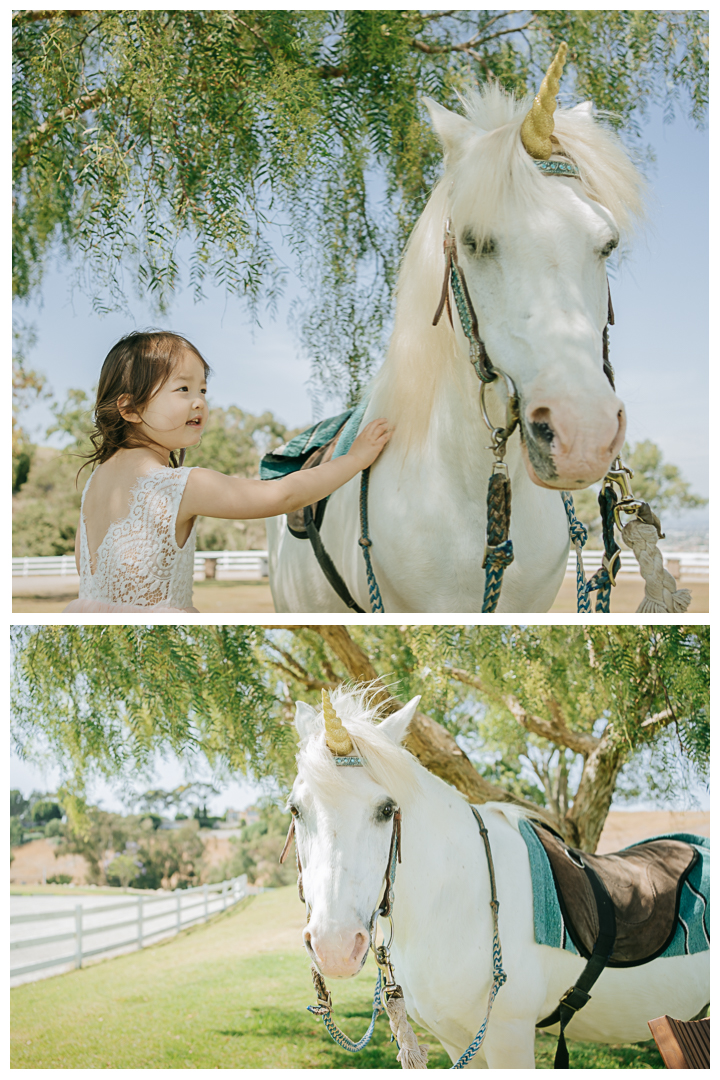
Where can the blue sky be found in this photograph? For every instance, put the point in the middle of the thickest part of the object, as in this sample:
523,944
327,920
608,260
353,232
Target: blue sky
659,345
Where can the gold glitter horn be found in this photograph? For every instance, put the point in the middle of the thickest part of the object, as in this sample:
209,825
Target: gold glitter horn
336,736
538,125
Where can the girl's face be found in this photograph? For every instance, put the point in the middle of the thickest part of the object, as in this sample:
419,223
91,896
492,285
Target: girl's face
177,413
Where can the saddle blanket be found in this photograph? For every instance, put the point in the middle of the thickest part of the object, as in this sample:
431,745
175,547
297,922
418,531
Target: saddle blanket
293,454
692,922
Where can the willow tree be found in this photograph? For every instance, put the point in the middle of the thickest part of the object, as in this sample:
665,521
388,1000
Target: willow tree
557,719
145,137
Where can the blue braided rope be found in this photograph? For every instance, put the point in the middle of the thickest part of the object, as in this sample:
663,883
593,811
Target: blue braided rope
499,976
333,1030
600,581
376,604
497,559
339,1036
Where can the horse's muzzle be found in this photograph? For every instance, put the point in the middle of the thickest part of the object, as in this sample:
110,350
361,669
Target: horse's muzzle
566,450
338,955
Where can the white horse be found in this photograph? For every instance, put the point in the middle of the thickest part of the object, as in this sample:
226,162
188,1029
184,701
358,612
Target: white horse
442,948
533,249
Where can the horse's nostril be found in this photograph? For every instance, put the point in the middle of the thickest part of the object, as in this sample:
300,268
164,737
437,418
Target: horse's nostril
543,432
540,425
361,943
307,937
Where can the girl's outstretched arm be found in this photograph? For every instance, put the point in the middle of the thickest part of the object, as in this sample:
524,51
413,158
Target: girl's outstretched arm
212,494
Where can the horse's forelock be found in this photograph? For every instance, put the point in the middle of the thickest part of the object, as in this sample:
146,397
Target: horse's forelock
388,764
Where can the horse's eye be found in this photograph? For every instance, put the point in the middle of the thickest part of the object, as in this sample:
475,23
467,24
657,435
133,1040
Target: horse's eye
609,248
388,810
488,246
294,811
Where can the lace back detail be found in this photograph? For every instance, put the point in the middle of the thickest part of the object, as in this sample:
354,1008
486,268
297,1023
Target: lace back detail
138,560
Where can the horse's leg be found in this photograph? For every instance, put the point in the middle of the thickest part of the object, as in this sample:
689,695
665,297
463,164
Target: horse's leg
510,1044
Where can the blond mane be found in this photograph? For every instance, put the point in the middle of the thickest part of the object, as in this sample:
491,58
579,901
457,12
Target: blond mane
492,180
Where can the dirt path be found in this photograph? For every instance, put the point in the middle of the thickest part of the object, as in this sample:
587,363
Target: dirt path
245,597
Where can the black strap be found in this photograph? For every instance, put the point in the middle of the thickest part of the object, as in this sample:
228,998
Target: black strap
327,565
578,994
607,366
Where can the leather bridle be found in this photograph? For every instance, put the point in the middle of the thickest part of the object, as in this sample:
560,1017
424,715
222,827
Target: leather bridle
485,370
384,908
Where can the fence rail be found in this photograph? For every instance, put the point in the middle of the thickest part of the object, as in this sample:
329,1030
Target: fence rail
223,565
687,565
253,565
211,898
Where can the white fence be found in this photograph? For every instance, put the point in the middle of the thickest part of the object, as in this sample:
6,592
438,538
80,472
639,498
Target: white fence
223,565
44,566
683,565
168,914
231,565
253,565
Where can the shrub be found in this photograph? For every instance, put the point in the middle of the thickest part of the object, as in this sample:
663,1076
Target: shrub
45,811
17,833
122,870
59,879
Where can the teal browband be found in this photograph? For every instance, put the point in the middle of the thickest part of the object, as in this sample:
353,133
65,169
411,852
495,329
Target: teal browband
558,168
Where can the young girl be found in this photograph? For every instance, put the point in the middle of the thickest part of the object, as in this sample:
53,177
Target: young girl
135,542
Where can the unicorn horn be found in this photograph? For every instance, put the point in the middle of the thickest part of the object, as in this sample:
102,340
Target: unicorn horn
538,125
336,736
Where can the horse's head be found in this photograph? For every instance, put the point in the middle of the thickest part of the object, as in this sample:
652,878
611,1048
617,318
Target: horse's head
343,816
533,246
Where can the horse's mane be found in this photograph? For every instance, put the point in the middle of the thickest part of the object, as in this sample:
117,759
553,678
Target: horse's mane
394,768
490,179
388,764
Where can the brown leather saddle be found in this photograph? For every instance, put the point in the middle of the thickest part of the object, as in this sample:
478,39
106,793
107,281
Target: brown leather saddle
643,882
297,519
620,910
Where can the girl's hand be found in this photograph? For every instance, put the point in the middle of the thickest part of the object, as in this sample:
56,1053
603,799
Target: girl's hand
370,442
215,495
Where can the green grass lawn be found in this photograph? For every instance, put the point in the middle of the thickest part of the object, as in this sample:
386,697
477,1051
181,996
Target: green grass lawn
229,995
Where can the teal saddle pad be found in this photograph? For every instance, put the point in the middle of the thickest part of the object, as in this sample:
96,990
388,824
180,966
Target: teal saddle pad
293,454
692,933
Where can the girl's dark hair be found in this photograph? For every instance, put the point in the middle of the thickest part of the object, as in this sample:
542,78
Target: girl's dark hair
137,367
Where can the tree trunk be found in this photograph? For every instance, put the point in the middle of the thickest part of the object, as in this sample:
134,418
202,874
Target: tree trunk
585,819
430,742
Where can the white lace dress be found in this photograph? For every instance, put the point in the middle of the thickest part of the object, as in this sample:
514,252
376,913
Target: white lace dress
139,564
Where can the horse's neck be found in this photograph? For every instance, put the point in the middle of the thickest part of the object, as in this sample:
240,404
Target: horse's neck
439,834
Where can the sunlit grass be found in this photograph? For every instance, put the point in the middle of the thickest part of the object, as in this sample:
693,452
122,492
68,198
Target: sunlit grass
229,995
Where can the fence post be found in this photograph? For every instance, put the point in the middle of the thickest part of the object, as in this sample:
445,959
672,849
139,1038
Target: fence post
140,922
179,915
205,894
224,895
78,935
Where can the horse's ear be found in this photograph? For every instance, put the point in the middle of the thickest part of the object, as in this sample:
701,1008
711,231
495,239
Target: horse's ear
452,128
396,725
585,108
306,720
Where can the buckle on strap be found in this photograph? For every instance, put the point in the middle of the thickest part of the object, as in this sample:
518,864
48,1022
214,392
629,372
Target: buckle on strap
574,998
